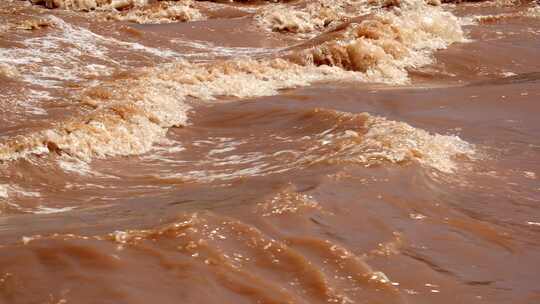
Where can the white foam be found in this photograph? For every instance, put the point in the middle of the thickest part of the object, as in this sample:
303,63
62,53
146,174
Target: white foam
50,210
384,141
163,12
421,29
315,17
70,164
397,141
9,71
4,191
533,12
64,53
7,191
87,5
144,107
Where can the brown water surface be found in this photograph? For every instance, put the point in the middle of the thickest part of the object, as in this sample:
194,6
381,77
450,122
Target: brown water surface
242,156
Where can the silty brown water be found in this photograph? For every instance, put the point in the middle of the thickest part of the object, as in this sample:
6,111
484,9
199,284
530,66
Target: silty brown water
261,152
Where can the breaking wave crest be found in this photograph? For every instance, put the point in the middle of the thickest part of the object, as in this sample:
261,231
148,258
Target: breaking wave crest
86,5
128,121
163,12
127,116
384,44
332,138
70,53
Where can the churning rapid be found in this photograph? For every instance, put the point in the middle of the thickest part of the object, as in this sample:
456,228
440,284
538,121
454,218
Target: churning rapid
303,151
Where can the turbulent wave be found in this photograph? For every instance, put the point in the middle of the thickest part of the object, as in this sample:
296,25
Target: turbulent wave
120,128
332,138
131,120
383,45
396,142
127,116
139,11
269,199
163,12
306,140
85,5
312,17
9,71
70,53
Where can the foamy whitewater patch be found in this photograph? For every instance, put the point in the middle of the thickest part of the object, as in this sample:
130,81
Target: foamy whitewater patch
162,12
9,71
284,19
344,138
49,210
4,191
31,104
314,17
533,12
139,11
20,103
246,77
140,111
74,165
71,53
368,140
87,5
7,191
32,24
397,142
131,115
385,44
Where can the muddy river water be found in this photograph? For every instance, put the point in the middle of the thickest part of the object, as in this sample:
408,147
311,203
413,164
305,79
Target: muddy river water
346,151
